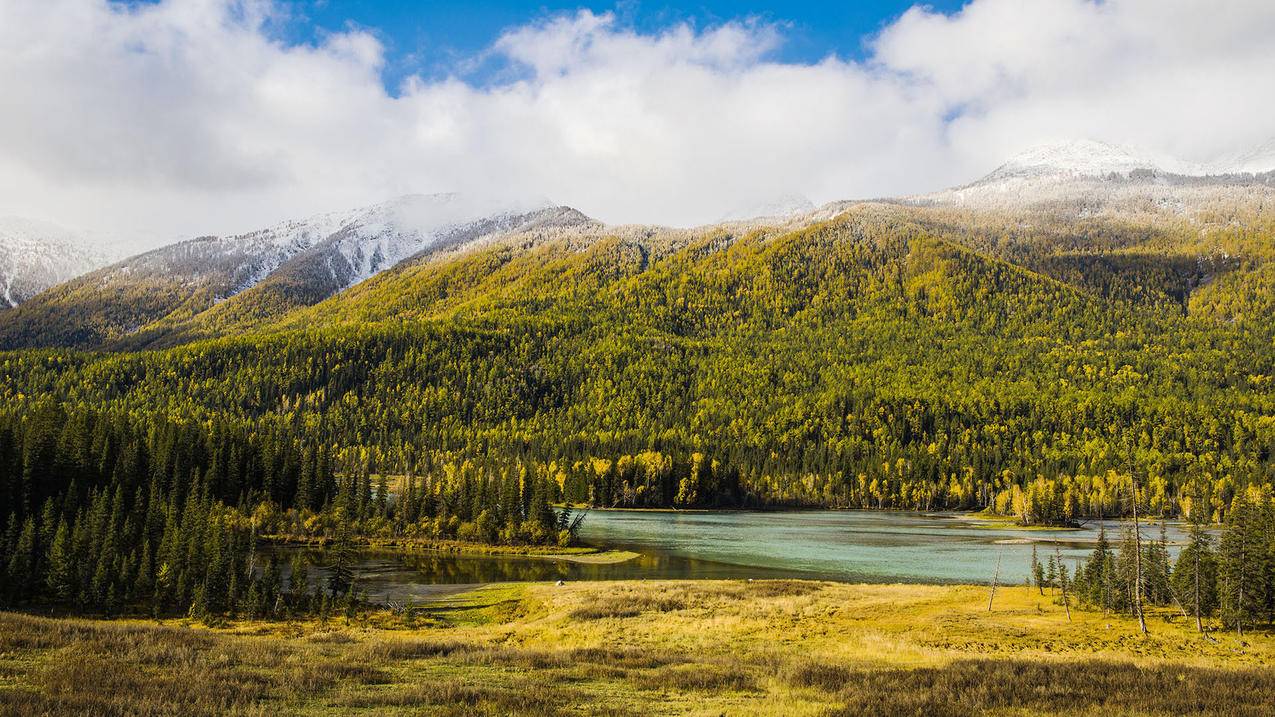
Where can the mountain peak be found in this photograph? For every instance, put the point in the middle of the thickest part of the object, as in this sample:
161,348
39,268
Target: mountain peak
782,206
35,255
1078,158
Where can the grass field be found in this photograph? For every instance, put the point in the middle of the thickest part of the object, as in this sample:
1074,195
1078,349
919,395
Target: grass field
696,647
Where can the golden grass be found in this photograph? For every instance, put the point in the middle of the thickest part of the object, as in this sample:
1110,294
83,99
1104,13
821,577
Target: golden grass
667,647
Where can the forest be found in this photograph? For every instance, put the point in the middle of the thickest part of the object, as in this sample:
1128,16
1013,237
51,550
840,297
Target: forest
874,361
107,514
885,359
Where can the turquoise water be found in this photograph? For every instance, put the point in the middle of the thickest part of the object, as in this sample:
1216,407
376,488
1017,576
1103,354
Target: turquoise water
860,546
853,546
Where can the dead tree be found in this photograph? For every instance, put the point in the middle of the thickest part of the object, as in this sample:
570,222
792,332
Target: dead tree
995,579
1062,580
1137,557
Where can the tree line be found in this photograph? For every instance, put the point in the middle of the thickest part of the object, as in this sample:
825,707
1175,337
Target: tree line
107,513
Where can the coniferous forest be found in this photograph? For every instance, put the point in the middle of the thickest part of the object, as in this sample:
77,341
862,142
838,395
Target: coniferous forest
889,358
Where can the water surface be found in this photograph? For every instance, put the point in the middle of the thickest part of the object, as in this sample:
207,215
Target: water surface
852,546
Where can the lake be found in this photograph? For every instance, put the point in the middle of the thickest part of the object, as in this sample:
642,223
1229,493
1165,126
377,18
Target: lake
852,546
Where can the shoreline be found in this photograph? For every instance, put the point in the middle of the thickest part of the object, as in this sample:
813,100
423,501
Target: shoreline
576,554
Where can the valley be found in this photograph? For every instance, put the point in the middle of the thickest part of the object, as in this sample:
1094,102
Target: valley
429,396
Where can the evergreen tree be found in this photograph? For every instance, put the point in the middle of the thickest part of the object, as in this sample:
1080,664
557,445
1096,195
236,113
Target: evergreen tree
1195,576
22,561
1241,562
61,578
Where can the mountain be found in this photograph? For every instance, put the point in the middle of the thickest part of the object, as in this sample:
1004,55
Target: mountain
886,356
1099,160
781,207
171,294
1084,179
1078,311
1082,158
36,255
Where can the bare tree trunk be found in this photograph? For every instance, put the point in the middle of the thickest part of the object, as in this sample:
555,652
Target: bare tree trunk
1137,557
1199,625
1239,611
995,579
1062,580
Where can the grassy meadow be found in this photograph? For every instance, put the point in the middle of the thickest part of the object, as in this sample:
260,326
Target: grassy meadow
677,647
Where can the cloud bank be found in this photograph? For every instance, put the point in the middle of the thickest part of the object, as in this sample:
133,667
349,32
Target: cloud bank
190,116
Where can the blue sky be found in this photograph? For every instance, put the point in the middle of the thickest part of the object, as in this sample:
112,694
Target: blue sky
431,39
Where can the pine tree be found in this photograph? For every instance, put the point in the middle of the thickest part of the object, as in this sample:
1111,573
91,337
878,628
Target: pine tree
341,567
22,562
61,577
1157,570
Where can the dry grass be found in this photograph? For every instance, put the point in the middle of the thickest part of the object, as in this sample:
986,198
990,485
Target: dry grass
710,648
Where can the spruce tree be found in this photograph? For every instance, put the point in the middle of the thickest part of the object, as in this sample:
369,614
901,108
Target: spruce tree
22,562
1241,556
61,577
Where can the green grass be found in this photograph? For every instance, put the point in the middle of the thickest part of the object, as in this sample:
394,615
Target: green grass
666,647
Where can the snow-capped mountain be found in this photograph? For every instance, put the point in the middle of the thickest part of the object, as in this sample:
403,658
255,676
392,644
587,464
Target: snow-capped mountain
257,274
36,255
371,240
1086,178
1257,160
354,245
780,207
1088,159
1082,158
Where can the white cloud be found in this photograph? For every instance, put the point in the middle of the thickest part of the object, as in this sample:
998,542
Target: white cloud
186,116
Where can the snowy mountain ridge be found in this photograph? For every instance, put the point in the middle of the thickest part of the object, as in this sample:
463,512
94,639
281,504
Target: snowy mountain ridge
35,255
780,207
1086,178
183,290
1090,158
364,241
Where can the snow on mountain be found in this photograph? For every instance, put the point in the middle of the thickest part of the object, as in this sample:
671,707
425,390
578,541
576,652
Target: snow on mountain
1257,160
36,255
181,290
379,237
1083,158
357,244
1100,160
780,207
1085,178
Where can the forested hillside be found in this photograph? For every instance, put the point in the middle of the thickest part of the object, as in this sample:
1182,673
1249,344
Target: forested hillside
891,357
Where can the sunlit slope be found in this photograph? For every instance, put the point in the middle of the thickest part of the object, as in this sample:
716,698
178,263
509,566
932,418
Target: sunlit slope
828,349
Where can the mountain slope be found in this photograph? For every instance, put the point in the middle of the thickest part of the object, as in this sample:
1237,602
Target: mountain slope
169,293
866,361
36,255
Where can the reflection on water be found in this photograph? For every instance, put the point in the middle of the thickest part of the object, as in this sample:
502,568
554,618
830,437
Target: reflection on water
423,575
856,546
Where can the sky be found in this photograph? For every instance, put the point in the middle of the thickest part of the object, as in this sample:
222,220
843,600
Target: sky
156,120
